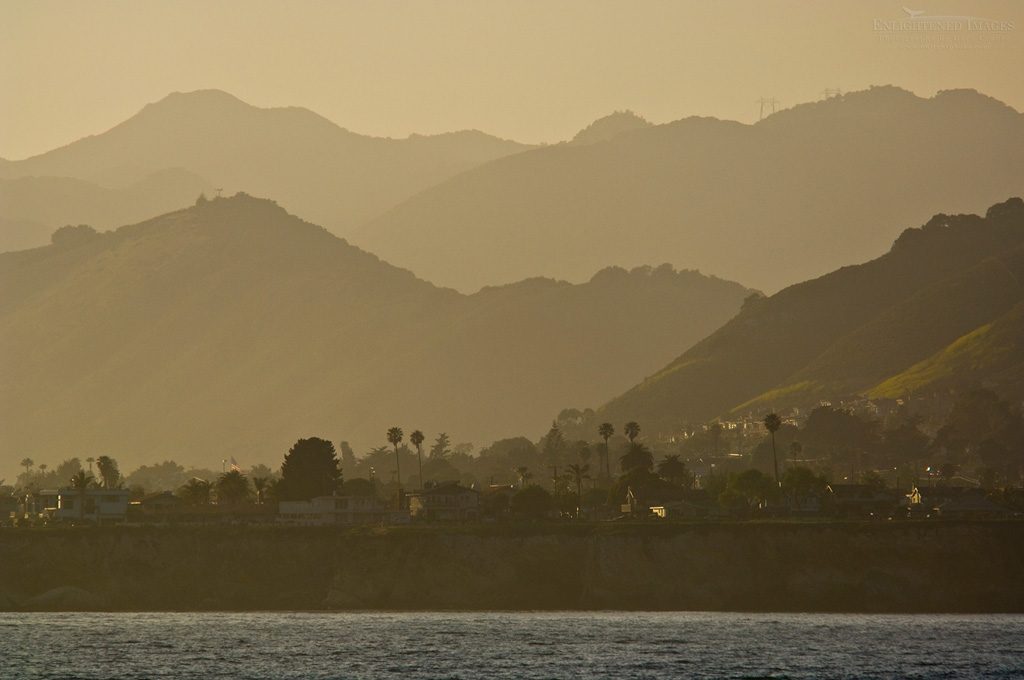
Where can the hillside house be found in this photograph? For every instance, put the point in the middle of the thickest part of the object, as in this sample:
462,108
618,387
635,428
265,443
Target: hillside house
448,502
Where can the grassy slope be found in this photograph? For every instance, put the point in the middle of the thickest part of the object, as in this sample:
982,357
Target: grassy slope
941,280
992,353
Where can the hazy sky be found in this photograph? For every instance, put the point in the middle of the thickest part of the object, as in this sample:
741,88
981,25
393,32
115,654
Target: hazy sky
532,71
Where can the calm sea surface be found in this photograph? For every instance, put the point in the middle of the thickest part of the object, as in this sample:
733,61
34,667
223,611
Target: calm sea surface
504,645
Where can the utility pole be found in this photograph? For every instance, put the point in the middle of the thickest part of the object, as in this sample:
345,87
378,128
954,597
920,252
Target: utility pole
767,102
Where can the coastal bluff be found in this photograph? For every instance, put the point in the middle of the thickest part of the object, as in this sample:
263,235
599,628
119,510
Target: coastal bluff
756,566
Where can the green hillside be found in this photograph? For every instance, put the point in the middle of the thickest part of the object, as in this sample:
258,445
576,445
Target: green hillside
991,355
845,332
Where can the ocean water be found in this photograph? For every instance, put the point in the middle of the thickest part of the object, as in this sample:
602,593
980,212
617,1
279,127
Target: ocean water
509,645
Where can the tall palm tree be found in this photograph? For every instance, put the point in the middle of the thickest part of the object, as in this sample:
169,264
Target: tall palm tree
27,463
524,474
632,430
81,481
772,423
417,440
578,473
606,430
395,436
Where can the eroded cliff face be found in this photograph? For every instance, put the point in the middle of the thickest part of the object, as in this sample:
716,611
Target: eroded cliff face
906,567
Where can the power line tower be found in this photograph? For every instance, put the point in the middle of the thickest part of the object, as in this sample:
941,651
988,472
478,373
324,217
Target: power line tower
767,102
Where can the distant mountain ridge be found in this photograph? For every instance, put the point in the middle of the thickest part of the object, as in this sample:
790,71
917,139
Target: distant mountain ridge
36,206
765,203
613,125
941,309
233,328
313,166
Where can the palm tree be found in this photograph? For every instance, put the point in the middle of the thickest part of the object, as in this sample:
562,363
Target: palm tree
81,481
90,460
260,485
195,491
578,473
27,463
672,469
524,474
395,436
417,440
108,471
606,430
772,423
638,458
632,430
232,488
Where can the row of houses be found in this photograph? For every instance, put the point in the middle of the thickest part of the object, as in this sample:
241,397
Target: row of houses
452,502
96,505
448,502
845,501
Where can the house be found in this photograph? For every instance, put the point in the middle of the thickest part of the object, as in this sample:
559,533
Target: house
860,500
496,500
8,507
447,502
345,510
98,505
971,505
952,502
682,509
152,506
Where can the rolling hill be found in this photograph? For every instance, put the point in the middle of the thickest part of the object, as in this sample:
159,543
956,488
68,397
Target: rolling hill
766,204
942,308
36,206
325,173
232,328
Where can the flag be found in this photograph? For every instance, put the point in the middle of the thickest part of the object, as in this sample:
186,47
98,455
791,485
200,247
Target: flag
234,465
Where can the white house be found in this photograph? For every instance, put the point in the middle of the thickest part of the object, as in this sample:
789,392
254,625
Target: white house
97,505
326,510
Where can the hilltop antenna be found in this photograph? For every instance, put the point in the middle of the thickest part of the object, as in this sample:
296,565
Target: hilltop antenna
830,92
771,102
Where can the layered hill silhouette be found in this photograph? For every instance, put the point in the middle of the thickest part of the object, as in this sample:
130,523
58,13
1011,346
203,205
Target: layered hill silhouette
232,328
33,207
319,170
942,309
791,197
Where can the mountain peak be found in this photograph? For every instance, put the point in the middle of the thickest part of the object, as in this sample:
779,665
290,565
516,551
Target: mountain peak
612,125
211,98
